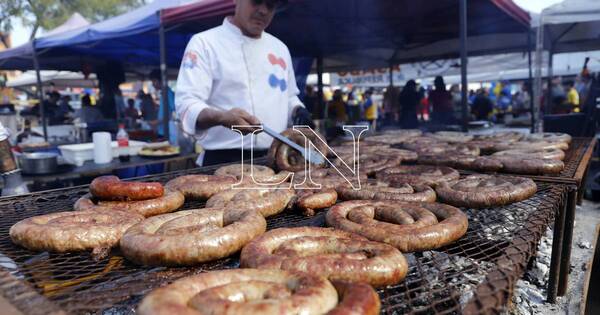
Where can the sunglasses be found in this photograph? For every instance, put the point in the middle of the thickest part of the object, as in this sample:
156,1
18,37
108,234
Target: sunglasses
271,4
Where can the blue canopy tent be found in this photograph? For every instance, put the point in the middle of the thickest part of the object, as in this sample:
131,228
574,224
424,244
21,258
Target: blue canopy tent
130,41
355,34
339,33
129,38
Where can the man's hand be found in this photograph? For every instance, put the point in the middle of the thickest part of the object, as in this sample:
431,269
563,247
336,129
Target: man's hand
210,117
302,116
239,117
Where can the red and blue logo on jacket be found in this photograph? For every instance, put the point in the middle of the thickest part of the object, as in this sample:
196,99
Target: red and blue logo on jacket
274,81
190,60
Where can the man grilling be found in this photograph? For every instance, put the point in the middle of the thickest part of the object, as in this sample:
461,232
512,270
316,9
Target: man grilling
237,74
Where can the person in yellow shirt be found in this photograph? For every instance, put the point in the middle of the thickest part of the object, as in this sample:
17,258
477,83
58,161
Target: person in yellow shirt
370,108
573,97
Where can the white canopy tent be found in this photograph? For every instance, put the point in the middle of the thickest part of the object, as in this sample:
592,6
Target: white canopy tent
480,69
75,21
60,79
569,26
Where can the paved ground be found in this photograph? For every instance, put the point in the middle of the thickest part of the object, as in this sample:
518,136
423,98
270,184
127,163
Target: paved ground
530,293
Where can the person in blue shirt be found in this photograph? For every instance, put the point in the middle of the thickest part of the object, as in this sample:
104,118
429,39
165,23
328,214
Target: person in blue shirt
155,77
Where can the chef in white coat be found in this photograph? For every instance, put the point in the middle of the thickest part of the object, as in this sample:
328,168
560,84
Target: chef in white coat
237,74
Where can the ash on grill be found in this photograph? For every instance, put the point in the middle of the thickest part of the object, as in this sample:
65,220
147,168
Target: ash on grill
500,227
443,277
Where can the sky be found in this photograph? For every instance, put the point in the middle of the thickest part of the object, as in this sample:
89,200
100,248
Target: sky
20,34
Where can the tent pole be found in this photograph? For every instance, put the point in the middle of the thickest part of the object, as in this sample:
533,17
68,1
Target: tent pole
40,92
537,91
320,84
530,81
164,81
463,64
550,75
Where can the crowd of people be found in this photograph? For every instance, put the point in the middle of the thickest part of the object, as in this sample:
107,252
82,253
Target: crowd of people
144,107
412,104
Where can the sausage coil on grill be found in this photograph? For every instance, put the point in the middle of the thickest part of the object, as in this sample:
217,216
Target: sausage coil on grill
260,173
393,136
372,190
201,187
530,144
550,137
364,147
355,299
407,226
267,201
190,237
282,157
552,154
334,254
417,175
169,202
452,136
370,163
461,161
482,191
73,230
503,136
310,200
519,164
257,291
112,188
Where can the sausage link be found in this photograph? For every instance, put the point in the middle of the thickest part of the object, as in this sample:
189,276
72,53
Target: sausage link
335,254
112,188
191,236
376,222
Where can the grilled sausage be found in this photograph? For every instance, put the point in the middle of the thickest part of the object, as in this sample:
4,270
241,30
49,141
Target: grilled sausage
73,230
190,237
282,157
310,200
552,154
383,191
267,201
263,292
334,254
417,175
529,166
482,191
112,188
407,226
201,187
355,299
171,201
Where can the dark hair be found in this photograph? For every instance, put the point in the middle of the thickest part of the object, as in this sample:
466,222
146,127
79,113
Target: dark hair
439,83
86,101
155,75
130,101
411,84
337,95
53,94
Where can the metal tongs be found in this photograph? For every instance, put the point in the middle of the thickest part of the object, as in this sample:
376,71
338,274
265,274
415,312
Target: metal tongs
311,156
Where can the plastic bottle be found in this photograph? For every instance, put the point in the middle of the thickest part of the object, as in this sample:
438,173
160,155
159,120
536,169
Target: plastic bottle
123,143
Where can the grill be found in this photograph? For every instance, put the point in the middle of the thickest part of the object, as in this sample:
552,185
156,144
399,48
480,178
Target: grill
574,157
475,274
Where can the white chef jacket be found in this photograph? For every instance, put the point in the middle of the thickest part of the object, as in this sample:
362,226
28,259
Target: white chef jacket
224,69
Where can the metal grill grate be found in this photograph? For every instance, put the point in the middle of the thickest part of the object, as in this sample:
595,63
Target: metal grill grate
573,157
439,282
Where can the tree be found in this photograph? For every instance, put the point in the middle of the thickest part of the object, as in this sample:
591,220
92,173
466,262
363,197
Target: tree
48,14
